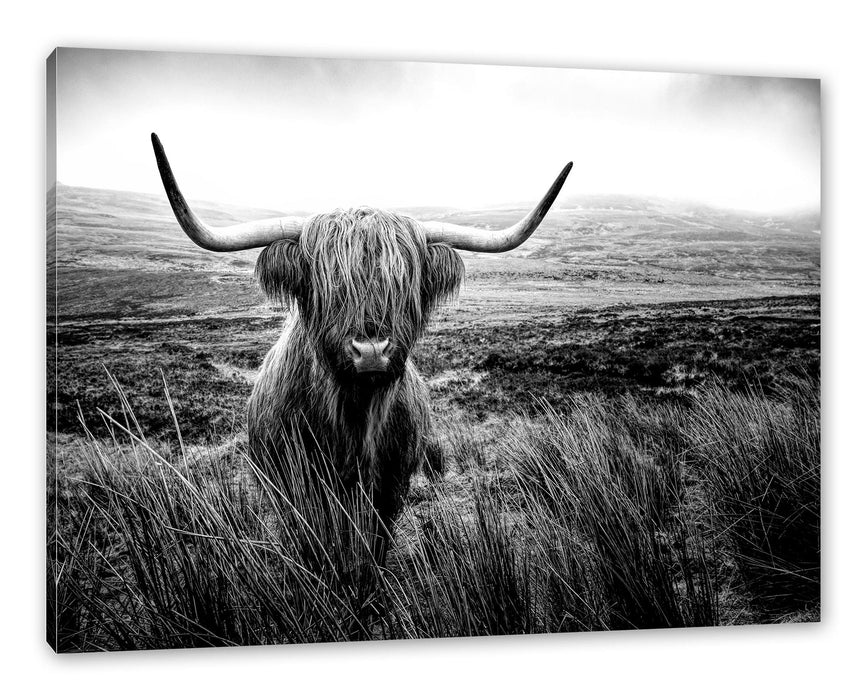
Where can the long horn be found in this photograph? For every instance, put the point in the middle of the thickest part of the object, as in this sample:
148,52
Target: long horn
254,234
480,240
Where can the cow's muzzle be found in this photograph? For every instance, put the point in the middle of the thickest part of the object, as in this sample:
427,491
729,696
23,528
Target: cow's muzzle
369,356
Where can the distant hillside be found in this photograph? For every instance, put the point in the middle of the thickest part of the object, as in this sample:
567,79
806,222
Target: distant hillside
617,241
609,231
108,228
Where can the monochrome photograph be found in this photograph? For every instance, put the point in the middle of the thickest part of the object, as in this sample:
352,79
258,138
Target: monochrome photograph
361,350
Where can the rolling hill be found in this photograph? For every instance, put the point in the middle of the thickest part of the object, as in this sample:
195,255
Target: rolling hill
123,254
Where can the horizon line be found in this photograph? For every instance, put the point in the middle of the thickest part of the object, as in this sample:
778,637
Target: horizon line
789,211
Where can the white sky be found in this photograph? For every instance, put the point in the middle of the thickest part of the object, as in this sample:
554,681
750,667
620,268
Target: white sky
298,134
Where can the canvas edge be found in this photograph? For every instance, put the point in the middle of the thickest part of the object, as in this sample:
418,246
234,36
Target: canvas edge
51,318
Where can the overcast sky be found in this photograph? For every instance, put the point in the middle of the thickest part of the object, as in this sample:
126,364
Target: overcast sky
297,134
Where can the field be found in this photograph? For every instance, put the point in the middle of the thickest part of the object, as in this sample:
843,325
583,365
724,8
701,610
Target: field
662,348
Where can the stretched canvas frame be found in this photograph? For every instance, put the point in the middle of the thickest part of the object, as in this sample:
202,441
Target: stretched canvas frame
623,424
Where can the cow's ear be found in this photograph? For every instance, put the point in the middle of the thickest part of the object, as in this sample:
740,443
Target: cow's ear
443,273
279,271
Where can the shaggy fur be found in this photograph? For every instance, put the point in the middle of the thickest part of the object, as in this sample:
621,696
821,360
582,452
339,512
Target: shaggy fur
361,273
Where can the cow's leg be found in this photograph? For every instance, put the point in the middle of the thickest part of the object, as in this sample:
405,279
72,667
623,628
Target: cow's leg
433,465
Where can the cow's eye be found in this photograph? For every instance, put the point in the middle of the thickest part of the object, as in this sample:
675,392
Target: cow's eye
443,273
280,271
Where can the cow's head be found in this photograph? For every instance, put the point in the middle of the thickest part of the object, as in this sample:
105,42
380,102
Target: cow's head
365,281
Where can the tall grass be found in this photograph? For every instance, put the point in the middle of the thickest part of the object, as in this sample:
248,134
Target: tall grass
599,490
760,460
611,515
180,552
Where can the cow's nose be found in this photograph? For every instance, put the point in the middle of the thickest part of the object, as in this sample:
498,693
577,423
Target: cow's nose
370,355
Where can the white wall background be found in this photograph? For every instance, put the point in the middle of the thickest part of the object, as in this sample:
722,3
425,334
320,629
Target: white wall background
790,38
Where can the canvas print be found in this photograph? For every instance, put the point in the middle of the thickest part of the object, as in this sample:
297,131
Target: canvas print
360,350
